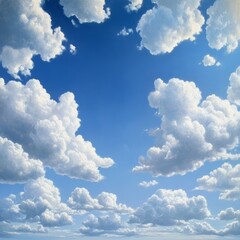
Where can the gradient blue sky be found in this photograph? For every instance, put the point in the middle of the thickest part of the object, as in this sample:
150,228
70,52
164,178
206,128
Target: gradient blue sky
111,77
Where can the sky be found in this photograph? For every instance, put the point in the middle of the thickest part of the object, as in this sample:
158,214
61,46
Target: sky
120,119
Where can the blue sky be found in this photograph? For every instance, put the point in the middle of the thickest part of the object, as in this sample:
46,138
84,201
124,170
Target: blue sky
119,119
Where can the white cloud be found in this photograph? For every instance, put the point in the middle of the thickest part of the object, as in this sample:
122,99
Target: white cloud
234,87
168,207
106,225
223,25
26,228
125,32
25,29
72,49
16,166
46,130
225,179
209,61
134,5
229,214
210,127
148,184
169,23
81,199
51,219
86,11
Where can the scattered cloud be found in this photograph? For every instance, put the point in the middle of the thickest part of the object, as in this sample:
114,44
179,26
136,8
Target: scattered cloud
72,49
46,130
26,28
146,184
210,127
234,87
81,199
209,61
86,11
167,24
125,32
223,28
225,179
134,5
168,207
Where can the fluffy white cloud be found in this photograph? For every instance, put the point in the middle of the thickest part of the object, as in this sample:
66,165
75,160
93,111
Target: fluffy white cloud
46,130
72,49
106,224
134,5
209,61
148,184
168,207
86,11
125,32
169,23
225,179
81,199
210,127
25,29
16,166
223,25
229,214
234,87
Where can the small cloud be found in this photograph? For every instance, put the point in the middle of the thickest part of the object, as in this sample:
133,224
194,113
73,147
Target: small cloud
125,32
148,184
134,5
209,61
72,49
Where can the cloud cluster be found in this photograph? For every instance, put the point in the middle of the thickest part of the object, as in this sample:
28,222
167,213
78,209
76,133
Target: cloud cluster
86,11
169,23
146,184
134,5
38,127
125,32
40,203
25,29
225,179
81,199
168,207
209,61
223,28
210,127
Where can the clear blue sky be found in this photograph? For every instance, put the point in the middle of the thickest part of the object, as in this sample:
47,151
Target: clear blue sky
167,156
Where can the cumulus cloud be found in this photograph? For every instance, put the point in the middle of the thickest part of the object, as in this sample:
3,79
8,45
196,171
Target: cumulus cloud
25,29
106,224
234,87
81,199
46,130
225,179
86,11
134,5
146,184
210,127
229,214
169,23
125,32
72,49
209,61
16,166
223,28
168,207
